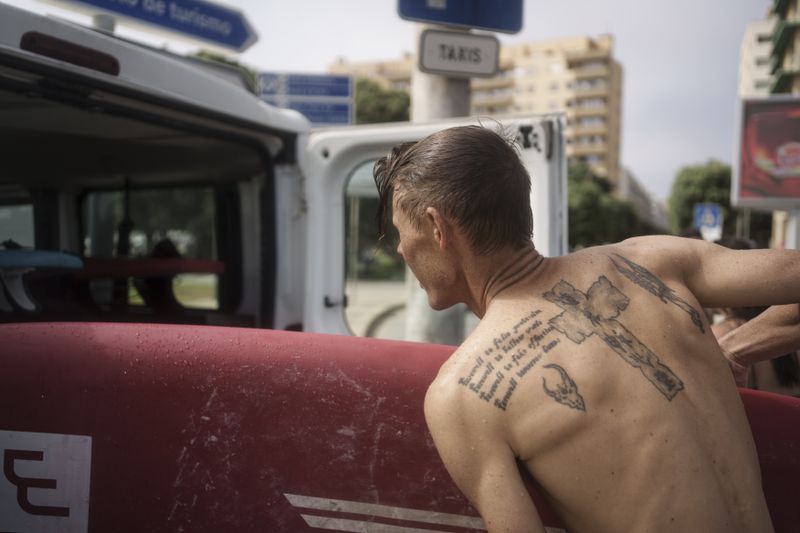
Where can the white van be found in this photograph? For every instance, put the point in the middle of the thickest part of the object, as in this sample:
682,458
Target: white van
190,200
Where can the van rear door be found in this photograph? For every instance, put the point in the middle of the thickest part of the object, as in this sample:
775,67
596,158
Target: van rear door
355,285
162,176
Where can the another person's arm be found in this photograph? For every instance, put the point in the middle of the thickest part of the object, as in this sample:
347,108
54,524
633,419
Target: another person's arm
483,466
773,333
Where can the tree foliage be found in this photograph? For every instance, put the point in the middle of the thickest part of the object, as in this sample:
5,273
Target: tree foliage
595,215
248,73
711,183
375,104
705,183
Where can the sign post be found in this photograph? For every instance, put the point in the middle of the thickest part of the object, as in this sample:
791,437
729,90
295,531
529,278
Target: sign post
440,89
213,23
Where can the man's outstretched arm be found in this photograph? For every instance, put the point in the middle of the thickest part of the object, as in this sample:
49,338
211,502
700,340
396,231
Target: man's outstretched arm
773,333
484,468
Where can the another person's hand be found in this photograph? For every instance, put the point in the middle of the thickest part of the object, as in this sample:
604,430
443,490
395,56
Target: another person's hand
741,372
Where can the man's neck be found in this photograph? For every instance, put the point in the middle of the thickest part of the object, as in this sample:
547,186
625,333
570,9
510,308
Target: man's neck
498,273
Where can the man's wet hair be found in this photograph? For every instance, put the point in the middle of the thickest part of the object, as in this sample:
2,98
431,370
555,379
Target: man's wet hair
471,174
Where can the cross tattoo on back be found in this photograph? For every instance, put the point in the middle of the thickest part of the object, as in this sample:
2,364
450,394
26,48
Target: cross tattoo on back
596,312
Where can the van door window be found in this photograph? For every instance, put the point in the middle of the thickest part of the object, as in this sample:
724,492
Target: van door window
16,224
383,298
375,273
161,224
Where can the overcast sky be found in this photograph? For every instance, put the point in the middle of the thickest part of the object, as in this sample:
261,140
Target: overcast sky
680,60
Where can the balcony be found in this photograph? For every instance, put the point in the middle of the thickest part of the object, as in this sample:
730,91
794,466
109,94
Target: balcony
775,63
780,7
582,150
591,91
575,57
784,31
578,112
782,80
491,83
595,71
592,129
495,101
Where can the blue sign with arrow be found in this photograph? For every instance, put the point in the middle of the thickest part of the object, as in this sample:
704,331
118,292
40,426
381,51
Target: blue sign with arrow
493,15
214,23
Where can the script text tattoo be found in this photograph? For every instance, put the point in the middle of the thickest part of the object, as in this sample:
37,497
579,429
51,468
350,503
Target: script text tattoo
496,374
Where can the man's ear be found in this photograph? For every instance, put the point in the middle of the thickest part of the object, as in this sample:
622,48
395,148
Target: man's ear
442,228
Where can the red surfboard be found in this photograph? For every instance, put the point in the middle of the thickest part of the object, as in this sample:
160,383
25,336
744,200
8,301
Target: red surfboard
130,428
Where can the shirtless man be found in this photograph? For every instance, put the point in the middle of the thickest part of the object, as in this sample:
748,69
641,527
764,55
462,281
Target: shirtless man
597,372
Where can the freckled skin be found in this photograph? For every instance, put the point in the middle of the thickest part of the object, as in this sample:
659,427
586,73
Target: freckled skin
592,372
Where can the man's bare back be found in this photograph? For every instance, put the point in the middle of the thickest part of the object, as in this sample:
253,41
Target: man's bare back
598,372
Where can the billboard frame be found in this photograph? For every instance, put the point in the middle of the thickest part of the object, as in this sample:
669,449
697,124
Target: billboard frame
770,203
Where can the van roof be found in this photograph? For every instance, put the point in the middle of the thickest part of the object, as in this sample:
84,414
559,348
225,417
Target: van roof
144,70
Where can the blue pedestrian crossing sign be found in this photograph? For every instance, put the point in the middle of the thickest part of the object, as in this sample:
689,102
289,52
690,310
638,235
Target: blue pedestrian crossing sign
708,219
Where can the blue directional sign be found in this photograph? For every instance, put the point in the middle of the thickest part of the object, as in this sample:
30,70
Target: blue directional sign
494,15
322,113
708,219
305,85
325,100
214,23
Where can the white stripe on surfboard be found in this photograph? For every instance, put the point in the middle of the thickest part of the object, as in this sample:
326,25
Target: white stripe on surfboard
383,511
358,526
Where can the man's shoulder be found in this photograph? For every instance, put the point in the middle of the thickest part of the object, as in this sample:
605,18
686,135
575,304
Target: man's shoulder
656,250
450,393
655,243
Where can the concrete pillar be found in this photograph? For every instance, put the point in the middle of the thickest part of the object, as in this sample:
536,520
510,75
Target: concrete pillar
792,241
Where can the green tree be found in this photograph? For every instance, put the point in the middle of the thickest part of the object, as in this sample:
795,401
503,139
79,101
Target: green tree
595,215
375,104
248,74
711,183
706,183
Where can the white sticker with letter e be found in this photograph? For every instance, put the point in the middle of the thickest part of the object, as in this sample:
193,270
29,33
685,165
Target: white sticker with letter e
44,486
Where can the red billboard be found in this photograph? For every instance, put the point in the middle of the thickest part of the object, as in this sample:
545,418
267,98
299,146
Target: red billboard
767,173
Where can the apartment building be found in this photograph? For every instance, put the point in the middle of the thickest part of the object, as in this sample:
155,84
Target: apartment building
578,76
785,61
755,59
